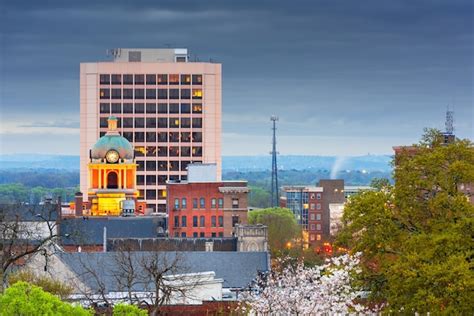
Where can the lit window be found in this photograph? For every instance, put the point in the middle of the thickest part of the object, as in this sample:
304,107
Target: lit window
197,79
185,79
174,79
318,226
311,237
318,237
197,108
197,93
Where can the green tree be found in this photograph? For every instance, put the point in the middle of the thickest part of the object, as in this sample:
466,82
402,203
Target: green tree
380,183
282,227
25,299
48,284
417,236
259,197
128,310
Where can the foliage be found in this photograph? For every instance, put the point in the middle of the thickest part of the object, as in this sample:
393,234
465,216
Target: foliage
128,310
47,178
300,290
24,299
380,183
259,197
16,193
282,227
48,284
417,237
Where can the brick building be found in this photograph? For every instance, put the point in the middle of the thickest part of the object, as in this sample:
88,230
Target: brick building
311,206
205,207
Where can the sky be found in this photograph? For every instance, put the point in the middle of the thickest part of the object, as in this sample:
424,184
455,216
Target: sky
344,77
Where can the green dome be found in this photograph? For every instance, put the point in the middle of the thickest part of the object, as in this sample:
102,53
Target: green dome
109,142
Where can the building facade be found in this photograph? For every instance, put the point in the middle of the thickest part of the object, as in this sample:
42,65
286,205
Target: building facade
168,107
206,209
311,206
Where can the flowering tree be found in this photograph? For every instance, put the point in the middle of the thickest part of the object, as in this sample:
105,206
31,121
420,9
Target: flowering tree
299,290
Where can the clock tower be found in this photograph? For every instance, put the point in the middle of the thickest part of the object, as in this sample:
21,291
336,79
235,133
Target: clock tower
112,173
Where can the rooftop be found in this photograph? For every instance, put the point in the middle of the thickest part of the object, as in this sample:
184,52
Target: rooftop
164,55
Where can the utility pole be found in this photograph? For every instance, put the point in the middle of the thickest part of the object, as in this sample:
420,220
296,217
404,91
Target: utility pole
274,197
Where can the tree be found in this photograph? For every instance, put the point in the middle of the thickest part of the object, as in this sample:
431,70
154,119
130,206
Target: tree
300,290
128,310
25,299
24,231
282,227
380,183
416,237
48,284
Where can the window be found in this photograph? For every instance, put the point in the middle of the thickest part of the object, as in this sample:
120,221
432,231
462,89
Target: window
104,79
213,203
183,203
174,108
162,137
183,221
128,94
185,108
141,165
186,122
150,165
221,234
195,234
235,203
139,108
139,122
162,79
162,108
127,122
312,206
162,165
311,217
185,151
162,122
127,79
140,180
151,194
221,221
116,93
195,221
197,94
150,122
139,93
197,108
197,79
150,180
162,179
185,94
116,79
151,137
202,221
197,137
174,151
311,237
104,93
213,221
174,79
318,206
220,202
313,227
318,196
174,122
202,203
201,234
128,108
235,220
116,108
318,217
174,93
104,108
150,93
162,94
318,226
150,79
197,122
139,138
184,165
162,151
195,203
318,237
139,79
183,235
197,151
151,151
176,221
213,235
185,79
185,137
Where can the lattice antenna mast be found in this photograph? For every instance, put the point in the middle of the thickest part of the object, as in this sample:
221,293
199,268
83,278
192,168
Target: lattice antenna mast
449,124
274,197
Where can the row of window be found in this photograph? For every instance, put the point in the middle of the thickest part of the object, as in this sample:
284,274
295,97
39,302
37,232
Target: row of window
200,234
313,237
153,122
150,94
152,179
198,203
159,137
315,217
153,165
315,226
172,151
150,108
150,79
198,221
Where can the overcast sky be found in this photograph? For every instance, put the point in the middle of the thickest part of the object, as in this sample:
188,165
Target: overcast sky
345,77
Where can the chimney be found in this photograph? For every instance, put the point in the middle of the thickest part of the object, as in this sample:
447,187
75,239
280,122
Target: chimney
78,203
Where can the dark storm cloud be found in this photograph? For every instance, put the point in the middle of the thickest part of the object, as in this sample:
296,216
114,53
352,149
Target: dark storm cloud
327,68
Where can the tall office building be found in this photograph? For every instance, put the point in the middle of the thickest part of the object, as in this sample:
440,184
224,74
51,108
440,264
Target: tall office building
167,106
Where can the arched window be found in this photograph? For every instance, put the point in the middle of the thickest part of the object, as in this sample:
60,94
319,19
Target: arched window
112,180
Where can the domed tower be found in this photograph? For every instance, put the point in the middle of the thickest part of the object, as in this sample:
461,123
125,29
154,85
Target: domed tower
112,174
